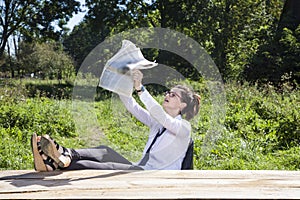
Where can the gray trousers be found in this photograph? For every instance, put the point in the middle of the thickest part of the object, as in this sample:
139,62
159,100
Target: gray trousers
102,158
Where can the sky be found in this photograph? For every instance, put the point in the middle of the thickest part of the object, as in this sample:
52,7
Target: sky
76,19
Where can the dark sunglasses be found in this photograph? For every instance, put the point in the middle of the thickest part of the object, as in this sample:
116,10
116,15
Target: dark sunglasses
172,94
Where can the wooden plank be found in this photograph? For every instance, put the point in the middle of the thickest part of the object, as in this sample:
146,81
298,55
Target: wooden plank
106,184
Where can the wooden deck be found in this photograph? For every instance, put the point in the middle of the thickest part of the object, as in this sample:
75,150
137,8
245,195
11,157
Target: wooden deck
196,184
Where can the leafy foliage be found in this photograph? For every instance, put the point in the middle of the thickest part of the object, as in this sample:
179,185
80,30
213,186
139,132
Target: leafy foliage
260,125
241,36
21,116
47,60
230,31
278,60
33,18
260,131
249,40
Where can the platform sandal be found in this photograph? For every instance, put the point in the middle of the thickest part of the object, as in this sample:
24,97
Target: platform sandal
59,154
42,163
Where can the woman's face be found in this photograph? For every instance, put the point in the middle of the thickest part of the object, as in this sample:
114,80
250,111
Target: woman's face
172,100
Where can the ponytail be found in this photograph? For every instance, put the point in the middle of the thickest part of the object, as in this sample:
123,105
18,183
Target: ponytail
191,99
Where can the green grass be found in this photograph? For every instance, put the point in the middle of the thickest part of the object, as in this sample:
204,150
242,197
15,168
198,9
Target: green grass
261,129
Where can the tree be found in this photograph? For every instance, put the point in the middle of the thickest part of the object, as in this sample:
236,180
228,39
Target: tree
104,18
290,17
230,30
46,60
7,64
80,42
278,59
34,18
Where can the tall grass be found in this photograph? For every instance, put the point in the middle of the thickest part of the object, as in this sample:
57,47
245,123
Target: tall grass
260,131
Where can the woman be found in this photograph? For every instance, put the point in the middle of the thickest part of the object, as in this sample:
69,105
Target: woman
167,143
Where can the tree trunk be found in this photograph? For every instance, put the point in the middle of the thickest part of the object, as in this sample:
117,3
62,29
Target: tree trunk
3,44
10,62
290,16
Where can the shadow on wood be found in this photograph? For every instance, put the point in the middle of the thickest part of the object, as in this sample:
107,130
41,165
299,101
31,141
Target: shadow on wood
184,184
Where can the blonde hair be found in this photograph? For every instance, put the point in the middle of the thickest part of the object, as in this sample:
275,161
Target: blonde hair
192,101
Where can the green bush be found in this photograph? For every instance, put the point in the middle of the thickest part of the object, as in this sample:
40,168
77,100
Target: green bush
15,151
260,125
260,130
20,117
44,116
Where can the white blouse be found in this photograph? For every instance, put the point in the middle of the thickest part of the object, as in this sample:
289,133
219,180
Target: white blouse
169,149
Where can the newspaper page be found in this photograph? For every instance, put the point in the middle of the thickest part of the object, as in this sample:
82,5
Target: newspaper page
116,75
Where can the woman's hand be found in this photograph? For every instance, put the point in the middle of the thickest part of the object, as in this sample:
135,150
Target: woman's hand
137,77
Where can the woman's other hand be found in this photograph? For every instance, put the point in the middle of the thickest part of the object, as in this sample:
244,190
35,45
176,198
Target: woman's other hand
137,77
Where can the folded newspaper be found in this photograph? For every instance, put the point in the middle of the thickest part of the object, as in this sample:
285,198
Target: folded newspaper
116,75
